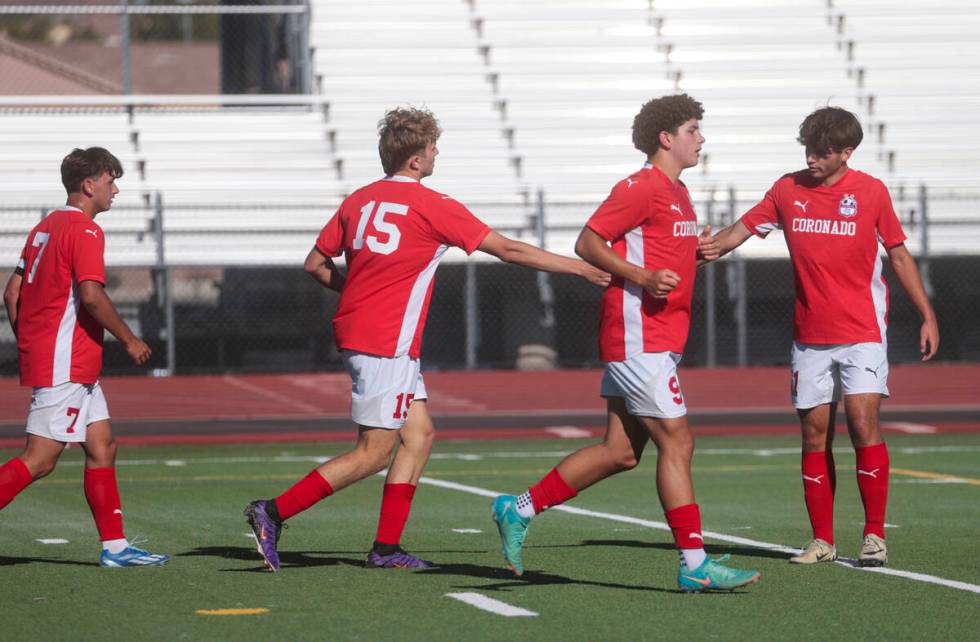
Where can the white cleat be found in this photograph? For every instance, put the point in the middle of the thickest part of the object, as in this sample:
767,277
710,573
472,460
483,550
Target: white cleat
873,551
815,551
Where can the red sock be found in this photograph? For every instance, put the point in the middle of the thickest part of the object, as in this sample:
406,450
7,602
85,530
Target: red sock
872,477
819,484
102,494
685,524
395,505
302,495
14,477
551,491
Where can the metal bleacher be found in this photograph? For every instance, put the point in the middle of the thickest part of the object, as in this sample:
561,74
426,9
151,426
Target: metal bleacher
530,96
375,55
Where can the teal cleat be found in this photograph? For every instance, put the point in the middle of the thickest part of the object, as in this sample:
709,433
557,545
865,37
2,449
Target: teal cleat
711,575
512,528
132,557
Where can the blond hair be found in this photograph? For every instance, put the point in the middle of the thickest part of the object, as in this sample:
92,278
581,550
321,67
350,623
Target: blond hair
403,133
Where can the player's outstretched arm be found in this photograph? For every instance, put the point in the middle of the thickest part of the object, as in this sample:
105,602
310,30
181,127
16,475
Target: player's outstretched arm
731,237
511,251
11,295
594,249
323,270
908,275
96,301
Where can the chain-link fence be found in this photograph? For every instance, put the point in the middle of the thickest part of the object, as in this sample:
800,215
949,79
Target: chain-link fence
155,47
261,312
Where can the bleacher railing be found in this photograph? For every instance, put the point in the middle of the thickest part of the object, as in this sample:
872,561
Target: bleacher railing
206,312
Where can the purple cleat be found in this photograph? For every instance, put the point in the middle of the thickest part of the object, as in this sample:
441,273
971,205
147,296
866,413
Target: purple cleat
398,559
263,517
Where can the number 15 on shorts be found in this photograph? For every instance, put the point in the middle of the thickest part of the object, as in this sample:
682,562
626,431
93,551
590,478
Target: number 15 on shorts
402,402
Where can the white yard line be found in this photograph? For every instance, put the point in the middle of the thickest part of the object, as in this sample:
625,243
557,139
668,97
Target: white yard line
732,539
549,454
625,519
52,540
491,605
909,427
568,432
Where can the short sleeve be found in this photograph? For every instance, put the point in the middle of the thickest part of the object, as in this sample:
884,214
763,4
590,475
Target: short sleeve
763,217
88,253
890,232
330,242
21,263
626,207
456,225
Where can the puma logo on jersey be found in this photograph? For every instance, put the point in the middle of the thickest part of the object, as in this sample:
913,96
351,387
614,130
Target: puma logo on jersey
873,474
696,536
630,182
815,480
93,233
117,512
676,208
802,205
873,371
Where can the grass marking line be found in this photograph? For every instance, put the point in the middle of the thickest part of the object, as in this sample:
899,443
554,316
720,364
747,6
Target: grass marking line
909,427
549,454
568,432
467,531
258,611
52,540
942,477
732,539
491,605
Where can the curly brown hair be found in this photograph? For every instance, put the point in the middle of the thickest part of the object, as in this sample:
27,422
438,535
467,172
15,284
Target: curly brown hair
88,163
403,133
664,114
830,129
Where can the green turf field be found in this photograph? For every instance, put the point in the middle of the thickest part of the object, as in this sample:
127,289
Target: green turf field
589,577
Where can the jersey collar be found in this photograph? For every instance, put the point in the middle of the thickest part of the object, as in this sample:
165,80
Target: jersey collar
397,178
659,175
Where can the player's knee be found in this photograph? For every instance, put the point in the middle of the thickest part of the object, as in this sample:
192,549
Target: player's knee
814,435
423,436
679,446
625,459
377,460
40,467
864,429
102,455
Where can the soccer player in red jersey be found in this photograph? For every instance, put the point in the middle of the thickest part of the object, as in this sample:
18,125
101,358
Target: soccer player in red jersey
833,218
58,309
646,235
393,233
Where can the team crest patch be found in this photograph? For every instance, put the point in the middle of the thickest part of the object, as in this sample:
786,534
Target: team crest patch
848,206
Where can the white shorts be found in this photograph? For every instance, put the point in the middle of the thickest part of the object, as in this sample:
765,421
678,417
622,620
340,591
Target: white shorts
821,372
64,412
382,388
648,383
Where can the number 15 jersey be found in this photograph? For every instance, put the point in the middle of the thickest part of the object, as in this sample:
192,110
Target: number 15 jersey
393,233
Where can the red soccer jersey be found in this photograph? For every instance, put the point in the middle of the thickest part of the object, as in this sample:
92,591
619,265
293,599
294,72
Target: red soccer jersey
650,222
393,234
833,235
58,340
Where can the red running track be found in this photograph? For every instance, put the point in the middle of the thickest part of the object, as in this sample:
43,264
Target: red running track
716,392
480,392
